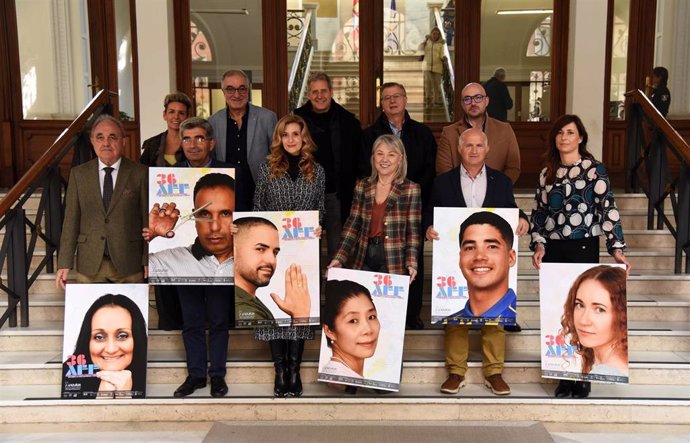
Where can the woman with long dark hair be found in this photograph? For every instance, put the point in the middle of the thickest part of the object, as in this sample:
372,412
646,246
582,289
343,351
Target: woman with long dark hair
113,337
574,207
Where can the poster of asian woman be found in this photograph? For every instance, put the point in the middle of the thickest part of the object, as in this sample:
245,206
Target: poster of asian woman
584,322
190,226
474,275
276,268
105,341
363,329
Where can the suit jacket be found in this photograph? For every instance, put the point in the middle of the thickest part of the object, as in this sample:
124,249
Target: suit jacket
447,193
87,225
260,126
401,226
504,152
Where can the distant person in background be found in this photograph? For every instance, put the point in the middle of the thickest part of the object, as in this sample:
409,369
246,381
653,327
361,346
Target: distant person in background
433,59
499,97
165,149
449,21
660,95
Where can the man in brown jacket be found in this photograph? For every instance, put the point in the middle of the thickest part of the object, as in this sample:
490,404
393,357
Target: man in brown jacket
106,209
504,155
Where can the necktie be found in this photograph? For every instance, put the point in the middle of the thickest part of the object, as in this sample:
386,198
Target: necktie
107,195
107,187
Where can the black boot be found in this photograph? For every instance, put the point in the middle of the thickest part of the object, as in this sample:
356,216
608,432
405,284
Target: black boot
564,389
581,389
279,351
295,351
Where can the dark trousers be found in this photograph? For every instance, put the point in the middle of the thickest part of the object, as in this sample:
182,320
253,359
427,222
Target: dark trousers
414,303
168,307
199,304
375,258
572,251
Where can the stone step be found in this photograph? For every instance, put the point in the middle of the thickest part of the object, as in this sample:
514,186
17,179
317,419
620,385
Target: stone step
642,336
665,405
623,200
50,307
419,366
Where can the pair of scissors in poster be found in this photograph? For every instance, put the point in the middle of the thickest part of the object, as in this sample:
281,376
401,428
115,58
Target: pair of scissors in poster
170,233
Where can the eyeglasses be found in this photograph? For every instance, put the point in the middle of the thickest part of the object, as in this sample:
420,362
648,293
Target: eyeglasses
242,90
198,139
387,98
468,99
100,138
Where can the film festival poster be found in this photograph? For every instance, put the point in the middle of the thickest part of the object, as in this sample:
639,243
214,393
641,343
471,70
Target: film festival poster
363,329
183,251
449,286
105,341
584,330
265,278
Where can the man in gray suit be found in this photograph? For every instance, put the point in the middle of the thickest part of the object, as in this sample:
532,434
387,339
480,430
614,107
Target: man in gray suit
105,212
243,135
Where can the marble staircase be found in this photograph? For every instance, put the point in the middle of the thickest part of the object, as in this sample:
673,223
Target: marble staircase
658,393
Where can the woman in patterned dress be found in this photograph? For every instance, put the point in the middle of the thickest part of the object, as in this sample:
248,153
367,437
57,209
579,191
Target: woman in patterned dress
290,179
574,206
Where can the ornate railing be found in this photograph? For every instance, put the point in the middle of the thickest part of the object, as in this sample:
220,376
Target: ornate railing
448,73
300,31
16,254
650,141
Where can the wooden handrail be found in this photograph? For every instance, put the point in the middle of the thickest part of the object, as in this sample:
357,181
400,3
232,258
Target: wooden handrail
675,141
100,99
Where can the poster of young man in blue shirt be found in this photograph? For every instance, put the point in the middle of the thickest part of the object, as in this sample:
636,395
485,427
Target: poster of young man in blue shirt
486,256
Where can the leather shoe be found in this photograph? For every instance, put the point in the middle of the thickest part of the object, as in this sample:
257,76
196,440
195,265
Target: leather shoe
218,386
581,389
513,328
564,389
190,385
453,384
497,385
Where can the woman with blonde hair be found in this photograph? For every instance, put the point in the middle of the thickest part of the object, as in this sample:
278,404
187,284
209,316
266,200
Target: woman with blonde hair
382,232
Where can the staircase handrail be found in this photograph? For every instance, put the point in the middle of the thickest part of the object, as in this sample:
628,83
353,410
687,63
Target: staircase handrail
297,82
448,82
56,151
650,138
47,223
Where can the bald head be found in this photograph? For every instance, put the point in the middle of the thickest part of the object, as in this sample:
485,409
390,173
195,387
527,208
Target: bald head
474,101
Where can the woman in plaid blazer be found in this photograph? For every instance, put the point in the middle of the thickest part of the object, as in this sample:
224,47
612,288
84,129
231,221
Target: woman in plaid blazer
382,232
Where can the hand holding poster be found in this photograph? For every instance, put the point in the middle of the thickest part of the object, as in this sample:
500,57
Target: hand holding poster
474,266
182,252
105,341
584,332
363,328
276,268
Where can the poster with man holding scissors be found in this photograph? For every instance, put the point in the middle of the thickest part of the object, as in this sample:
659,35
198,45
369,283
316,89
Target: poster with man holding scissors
190,222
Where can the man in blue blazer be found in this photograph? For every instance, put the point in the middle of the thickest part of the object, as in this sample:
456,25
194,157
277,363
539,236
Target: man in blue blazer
473,185
243,135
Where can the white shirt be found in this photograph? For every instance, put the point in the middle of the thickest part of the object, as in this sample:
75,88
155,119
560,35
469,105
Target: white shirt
179,266
473,189
101,172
